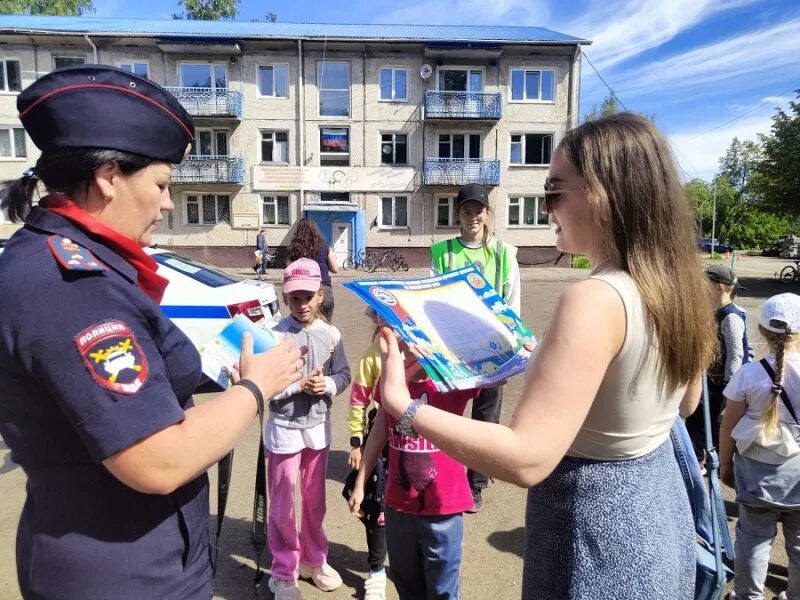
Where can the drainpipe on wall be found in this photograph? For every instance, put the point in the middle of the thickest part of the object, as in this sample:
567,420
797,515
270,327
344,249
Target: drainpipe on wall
94,48
301,146
35,58
574,87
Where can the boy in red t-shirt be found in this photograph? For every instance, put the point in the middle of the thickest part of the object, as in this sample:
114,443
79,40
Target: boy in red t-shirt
426,494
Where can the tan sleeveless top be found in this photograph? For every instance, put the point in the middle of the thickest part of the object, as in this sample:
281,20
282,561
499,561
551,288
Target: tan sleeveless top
633,410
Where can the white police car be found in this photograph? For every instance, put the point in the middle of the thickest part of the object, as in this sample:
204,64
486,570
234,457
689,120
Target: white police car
201,299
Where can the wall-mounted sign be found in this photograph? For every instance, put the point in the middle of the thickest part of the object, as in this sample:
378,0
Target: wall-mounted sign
245,221
331,179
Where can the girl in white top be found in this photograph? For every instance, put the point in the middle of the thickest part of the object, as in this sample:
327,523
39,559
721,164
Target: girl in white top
608,515
760,423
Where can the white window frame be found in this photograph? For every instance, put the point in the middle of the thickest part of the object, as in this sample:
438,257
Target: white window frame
273,198
271,160
394,147
525,99
55,56
466,144
334,154
273,95
451,209
441,68
4,62
523,142
394,224
349,90
14,156
205,64
519,200
394,97
133,62
199,196
214,133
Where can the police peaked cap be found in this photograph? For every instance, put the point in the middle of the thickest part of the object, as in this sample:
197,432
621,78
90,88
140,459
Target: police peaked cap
96,106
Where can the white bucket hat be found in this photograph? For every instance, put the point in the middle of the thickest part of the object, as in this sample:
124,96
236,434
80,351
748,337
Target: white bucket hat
781,314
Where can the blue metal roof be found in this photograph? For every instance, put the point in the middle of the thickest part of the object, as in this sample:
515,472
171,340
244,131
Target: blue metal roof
240,30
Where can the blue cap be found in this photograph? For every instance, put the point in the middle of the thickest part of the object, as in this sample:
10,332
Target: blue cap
96,106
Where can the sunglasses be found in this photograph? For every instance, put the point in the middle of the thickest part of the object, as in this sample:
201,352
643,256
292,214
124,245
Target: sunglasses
551,196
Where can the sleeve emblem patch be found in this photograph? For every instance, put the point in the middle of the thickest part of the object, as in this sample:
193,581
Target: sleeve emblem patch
73,257
113,356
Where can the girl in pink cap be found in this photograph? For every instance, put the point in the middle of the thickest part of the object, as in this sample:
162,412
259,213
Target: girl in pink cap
297,438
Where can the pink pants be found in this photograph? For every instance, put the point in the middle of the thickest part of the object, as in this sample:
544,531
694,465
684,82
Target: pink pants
288,547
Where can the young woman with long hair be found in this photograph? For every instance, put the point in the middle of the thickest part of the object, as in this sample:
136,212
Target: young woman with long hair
308,242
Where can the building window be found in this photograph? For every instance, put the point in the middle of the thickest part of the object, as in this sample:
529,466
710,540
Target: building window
210,142
334,89
275,146
445,212
334,146
12,142
275,210
273,81
394,84
67,61
394,211
394,149
460,80
524,211
204,75
10,78
459,145
339,197
531,148
208,209
137,68
532,86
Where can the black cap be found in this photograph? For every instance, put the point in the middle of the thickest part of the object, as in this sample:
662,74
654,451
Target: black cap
472,192
96,106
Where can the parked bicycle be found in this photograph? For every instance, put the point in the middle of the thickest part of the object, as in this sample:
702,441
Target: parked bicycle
789,273
393,259
359,260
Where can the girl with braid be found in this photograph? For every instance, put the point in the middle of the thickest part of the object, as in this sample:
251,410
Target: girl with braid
761,428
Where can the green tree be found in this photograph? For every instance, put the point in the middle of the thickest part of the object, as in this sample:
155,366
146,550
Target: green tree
609,106
699,193
777,177
739,164
208,10
64,8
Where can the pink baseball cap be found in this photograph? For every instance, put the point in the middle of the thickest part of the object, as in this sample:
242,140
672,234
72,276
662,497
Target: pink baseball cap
302,274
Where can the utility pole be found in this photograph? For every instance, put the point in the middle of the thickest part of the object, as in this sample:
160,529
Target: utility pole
714,219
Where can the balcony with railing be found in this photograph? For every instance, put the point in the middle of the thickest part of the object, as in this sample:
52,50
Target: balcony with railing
209,102
210,169
478,106
460,171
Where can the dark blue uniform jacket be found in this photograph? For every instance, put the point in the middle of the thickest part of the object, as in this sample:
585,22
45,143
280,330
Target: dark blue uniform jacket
89,365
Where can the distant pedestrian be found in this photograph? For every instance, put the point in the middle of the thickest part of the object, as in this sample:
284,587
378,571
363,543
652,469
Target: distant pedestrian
263,248
308,242
760,450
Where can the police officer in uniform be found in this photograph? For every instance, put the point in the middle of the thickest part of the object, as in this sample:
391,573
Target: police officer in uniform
95,382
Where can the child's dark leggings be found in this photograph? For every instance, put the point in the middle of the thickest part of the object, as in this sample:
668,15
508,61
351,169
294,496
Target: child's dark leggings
376,546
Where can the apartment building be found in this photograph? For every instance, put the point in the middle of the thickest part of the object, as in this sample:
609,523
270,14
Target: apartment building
367,129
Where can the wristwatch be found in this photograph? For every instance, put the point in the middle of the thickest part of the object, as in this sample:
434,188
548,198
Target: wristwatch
404,424
355,442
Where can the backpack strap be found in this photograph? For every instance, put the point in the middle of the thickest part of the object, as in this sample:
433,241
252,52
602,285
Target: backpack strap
784,395
449,255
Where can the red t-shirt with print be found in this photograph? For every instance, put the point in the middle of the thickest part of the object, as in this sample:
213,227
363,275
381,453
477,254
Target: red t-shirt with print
423,480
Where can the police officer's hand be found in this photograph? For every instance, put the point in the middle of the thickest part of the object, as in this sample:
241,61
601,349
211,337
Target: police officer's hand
272,371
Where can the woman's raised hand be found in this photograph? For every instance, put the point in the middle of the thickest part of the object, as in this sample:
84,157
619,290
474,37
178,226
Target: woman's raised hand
271,371
394,391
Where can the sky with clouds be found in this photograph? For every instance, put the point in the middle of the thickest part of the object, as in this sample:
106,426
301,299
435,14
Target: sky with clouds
707,70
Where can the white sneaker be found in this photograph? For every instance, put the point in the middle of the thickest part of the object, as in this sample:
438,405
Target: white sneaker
783,596
324,577
284,590
375,586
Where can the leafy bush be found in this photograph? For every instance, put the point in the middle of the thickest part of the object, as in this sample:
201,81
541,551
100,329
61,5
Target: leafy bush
580,262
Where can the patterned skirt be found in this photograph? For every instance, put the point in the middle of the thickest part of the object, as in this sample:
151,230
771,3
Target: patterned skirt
598,530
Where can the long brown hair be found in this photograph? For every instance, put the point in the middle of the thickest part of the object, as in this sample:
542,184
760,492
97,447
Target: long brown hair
306,242
648,230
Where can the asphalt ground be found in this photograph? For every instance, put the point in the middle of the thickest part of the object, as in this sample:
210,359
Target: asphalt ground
493,543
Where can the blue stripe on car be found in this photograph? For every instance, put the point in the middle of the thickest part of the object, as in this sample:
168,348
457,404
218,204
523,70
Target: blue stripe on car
196,312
